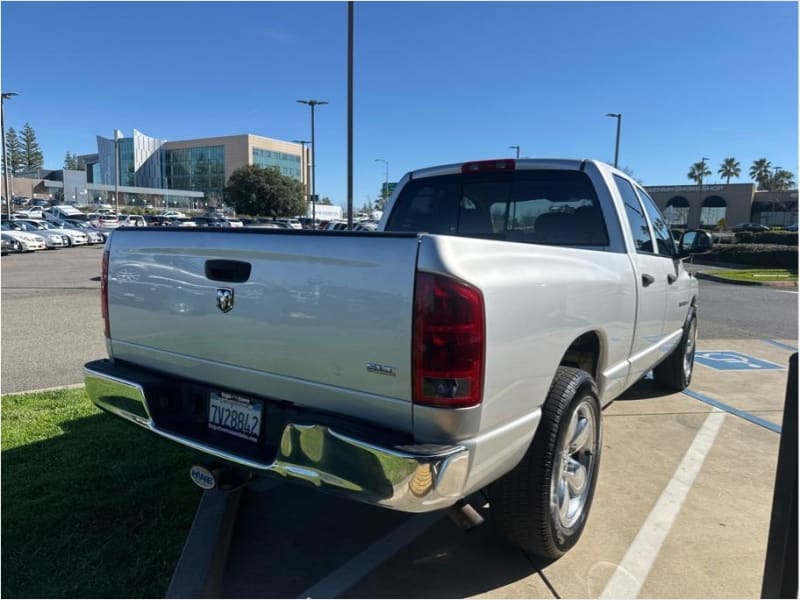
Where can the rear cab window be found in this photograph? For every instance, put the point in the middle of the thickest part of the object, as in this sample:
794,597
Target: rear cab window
555,207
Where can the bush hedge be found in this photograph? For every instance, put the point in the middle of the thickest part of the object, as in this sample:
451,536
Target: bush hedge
782,238
759,255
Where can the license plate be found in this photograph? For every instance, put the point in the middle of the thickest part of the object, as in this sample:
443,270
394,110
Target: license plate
235,415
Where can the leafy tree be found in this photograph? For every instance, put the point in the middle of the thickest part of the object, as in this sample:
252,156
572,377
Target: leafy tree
730,167
760,173
255,190
325,201
698,171
71,161
31,153
14,149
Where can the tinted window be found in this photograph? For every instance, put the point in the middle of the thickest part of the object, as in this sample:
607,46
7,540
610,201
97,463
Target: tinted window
532,206
663,238
636,219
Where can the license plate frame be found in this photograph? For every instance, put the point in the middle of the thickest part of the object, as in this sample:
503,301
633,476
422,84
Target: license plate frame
235,415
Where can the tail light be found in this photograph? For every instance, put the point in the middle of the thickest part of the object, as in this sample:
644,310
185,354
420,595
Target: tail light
484,166
448,342
104,295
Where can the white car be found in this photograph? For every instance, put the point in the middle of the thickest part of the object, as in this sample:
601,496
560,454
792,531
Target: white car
74,237
24,242
51,239
34,212
173,214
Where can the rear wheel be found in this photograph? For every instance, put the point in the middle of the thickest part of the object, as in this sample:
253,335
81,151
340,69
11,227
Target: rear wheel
675,372
542,505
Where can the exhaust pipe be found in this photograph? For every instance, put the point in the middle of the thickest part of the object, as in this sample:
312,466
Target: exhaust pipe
219,477
464,515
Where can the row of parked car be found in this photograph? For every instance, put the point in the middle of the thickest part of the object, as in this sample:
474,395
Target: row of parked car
29,235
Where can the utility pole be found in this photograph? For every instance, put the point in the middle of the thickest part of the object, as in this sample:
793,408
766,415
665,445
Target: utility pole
517,149
350,5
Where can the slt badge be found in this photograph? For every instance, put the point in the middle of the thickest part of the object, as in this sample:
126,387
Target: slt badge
225,299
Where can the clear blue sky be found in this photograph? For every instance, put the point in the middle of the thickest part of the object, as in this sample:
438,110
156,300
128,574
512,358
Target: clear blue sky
434,82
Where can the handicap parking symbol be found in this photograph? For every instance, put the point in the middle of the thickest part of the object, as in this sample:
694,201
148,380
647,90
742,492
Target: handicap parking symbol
733,361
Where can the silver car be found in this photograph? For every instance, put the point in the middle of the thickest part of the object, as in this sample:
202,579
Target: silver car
74,237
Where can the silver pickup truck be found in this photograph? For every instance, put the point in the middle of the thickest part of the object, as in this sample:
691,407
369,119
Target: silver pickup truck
469,344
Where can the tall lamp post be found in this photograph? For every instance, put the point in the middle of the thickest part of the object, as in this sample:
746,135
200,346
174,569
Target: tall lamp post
5,96
385,193
313,104
305,160
516,148
618,117
116,170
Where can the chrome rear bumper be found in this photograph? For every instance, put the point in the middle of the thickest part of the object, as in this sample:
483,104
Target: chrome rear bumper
409,478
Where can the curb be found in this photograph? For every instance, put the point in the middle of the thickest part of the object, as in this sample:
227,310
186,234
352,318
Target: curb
701,275
201,566
73,386
771,284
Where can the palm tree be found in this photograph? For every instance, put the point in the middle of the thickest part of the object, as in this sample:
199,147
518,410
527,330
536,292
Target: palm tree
729,168
698,171
759,173
781,181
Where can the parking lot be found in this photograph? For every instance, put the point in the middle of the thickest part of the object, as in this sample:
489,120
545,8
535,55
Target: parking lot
682,506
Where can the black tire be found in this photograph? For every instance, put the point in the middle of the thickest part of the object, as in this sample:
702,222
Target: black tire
525,502
675,371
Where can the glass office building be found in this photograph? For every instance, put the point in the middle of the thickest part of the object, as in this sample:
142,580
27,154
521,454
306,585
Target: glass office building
200,169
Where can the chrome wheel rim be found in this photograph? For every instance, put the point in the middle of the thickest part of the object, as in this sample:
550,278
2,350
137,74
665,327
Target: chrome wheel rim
688,355
574,466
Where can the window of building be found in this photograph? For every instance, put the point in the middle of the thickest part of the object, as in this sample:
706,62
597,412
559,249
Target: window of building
287,164
712,212
677,212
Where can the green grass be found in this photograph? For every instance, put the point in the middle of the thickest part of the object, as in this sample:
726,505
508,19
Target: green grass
92,506
758,275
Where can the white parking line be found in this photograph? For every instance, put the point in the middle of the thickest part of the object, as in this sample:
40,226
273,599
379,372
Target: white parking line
627,580
362,564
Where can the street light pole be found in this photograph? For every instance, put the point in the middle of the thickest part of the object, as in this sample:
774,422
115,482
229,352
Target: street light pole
305,160
517,149
313,104
618,117
385,193
3,97
116,171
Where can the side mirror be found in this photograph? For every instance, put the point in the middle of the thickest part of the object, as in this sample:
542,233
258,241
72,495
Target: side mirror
694,241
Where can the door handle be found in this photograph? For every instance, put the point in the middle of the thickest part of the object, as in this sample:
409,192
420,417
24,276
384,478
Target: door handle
228,271
671,278
647,279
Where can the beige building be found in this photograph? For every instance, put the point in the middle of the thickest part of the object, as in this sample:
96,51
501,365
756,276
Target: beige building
721,205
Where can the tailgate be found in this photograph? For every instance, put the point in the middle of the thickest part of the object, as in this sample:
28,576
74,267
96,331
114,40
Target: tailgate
314,311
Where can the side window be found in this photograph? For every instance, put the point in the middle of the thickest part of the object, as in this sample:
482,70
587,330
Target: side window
664,241
636,219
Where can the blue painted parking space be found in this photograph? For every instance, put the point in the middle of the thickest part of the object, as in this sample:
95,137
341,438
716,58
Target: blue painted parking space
726,360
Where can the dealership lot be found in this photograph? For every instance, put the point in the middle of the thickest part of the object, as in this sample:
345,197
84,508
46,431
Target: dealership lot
682,506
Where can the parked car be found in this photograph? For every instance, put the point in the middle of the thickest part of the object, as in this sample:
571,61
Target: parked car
754,227
25,242
6,245
365,226
74,237
32,212
52,239
95,236
132,221
64,211
173,214
470,351
792,227
103,220
292,223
